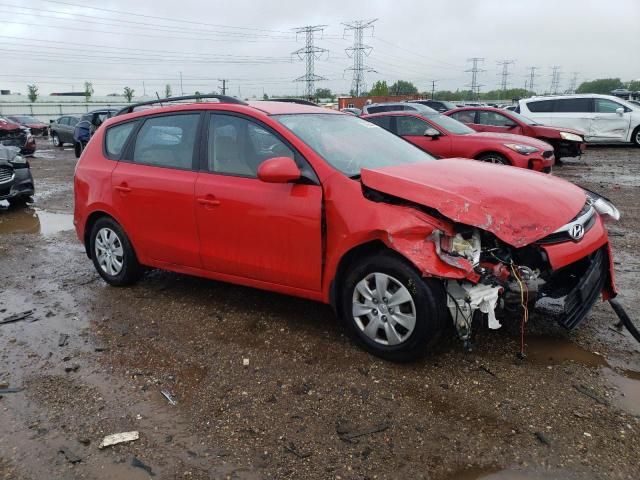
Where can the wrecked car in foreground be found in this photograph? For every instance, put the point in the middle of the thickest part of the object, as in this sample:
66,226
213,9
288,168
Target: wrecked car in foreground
318,204
16,182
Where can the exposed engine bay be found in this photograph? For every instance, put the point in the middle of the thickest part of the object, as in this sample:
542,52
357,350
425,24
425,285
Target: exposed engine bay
505,282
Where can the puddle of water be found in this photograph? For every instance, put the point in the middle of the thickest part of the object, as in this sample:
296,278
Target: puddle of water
493,473
552,351
627,384
28,220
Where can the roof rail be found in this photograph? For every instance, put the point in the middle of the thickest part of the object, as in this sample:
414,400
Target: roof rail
299,101
220,98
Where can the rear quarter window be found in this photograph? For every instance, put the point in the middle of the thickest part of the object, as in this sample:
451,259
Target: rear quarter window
542,106
116,138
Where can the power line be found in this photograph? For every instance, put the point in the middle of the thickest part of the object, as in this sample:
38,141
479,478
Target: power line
309,53
555,79
475,86
505,73
358,52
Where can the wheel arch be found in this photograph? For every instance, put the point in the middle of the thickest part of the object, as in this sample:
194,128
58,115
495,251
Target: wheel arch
91,221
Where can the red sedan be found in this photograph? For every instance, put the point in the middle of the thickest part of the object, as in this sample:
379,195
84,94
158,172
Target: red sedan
445,137
318,204
566,142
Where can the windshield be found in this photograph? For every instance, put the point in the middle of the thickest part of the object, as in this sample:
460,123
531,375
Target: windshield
523,119
451,125
349,143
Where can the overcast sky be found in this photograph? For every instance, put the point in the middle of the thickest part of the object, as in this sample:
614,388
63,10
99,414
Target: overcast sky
60,44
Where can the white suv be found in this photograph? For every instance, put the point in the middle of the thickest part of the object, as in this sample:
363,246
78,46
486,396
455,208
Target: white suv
603,118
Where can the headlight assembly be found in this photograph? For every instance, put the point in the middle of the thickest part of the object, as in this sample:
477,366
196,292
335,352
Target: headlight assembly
523,149
604,207
18,160
572,137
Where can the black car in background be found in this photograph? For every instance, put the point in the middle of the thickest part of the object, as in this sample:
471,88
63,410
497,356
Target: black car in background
62,129
16,182
88,124
438,105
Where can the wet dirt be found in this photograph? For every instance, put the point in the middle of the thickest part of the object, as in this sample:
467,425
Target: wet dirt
293,411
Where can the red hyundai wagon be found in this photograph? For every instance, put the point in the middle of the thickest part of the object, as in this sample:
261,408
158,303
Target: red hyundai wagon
318,204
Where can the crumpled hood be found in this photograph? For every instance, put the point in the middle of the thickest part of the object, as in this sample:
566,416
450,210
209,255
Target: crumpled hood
513,138
555,131
517,205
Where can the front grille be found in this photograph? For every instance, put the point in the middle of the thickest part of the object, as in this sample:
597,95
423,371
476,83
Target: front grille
576,288
6,174
585,217
547,154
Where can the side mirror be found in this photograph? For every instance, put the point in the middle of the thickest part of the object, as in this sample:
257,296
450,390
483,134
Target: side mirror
278,170
620,111
431,132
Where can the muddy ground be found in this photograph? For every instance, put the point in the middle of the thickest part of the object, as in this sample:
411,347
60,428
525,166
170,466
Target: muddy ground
268,386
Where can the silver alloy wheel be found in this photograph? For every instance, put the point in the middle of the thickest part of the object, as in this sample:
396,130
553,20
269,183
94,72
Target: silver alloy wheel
638,137
56,140
383,309
109,251
493,159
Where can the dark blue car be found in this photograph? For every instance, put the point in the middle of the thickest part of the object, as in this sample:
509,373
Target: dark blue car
88,124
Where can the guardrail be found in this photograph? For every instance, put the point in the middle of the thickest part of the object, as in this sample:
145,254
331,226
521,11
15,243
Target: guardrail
49,111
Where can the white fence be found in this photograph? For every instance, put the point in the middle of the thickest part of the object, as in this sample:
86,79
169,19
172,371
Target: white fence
48,111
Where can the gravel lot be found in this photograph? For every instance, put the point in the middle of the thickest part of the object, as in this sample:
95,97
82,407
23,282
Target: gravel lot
267,386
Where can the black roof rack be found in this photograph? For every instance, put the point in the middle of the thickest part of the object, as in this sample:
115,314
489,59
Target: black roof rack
220,98
299,101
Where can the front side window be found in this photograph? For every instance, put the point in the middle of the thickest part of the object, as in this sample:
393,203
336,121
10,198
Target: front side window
350,143
167,141
465,116
451,125
63,121
72,121
116,137
606,106
237,146
410,126
493,119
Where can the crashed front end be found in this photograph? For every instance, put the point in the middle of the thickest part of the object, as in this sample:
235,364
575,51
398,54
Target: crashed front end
531,242
559,275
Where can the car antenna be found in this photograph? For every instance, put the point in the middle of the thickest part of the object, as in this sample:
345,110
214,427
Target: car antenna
158,98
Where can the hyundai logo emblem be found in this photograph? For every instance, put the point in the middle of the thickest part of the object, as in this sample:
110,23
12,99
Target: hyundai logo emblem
576,231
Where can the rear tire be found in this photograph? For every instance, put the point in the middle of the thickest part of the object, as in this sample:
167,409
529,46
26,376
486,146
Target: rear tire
77,148
56,140
493,157
112,253
401,323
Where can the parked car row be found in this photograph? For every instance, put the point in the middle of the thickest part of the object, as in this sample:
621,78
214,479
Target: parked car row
78,130
314,203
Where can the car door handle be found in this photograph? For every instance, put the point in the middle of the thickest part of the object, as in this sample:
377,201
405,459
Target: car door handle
123,188
209,201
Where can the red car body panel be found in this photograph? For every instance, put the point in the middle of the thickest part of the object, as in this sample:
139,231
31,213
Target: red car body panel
474,145
291,238
444,186
543,132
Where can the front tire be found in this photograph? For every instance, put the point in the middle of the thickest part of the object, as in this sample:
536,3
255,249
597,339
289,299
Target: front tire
390,310
112,253
56,140
493,157
635,137
77,148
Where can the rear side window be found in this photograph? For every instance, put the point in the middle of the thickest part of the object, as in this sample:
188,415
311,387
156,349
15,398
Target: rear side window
116,138
384,122
167,141
576,105
543,106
